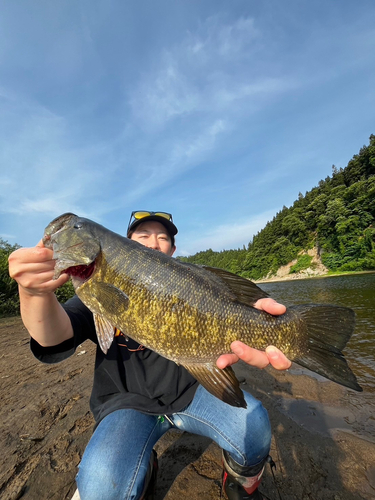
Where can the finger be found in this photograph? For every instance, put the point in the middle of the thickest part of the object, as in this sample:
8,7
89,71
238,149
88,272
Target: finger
226,360
47,276
56,283
251,356
270,306
40,243
42,266
28,265
39,253
277,359
37,284
31,255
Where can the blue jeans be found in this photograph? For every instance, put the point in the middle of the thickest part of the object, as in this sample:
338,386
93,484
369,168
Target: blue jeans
115,461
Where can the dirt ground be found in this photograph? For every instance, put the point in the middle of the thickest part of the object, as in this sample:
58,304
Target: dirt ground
323,435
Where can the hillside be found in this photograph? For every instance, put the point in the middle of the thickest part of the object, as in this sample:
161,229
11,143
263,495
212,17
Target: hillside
315,268
336,218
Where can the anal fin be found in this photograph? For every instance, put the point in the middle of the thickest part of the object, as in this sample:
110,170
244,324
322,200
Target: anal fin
221,383
107,303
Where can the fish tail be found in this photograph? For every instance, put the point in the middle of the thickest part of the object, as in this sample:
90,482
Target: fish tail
329,329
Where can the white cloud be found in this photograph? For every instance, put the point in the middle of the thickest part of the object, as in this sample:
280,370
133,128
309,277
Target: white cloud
44,172
264,86
191,152
246,101
190,100
164,96
175,156
202,76
216,37
5,236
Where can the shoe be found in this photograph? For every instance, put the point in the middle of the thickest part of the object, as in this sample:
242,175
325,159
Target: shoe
234,491
242,482
151,476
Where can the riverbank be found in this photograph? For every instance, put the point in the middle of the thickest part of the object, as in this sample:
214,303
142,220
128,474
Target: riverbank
316,270
309,273
304,276
323,444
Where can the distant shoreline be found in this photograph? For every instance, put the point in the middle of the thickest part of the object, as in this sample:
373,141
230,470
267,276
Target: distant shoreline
301,276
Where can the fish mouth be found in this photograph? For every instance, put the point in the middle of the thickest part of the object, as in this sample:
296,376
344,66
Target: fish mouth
82,272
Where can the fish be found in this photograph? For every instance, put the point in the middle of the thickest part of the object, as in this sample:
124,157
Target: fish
191,314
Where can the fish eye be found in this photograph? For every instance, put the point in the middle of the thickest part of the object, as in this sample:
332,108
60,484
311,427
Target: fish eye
78,225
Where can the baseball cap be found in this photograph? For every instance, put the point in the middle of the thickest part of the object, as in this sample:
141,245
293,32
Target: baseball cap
139,216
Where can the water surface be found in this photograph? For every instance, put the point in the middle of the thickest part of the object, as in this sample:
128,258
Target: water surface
357,415
355,291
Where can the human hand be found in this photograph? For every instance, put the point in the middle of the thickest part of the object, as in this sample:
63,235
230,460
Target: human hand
254,357
33,269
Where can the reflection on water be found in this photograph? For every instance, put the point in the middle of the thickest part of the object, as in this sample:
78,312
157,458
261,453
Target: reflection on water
355,291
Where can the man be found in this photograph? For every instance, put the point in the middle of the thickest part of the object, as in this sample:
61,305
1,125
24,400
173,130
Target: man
137,394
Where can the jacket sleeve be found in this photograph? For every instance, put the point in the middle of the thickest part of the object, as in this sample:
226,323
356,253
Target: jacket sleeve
83,329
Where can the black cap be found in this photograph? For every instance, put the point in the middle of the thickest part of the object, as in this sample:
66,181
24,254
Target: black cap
168,224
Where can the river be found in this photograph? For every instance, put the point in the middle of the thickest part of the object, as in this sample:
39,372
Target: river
358,292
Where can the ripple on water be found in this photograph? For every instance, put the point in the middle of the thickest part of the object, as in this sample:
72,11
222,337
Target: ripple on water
355,291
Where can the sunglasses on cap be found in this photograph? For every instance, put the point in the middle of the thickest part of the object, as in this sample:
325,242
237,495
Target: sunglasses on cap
138,215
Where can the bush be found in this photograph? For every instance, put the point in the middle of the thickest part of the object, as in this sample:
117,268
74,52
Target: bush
354,265
303,262
332,260
9,306
65,292
9,300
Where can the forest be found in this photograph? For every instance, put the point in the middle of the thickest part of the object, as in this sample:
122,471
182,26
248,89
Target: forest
336,217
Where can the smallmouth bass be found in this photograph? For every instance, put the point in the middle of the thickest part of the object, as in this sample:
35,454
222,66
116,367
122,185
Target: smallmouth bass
190,314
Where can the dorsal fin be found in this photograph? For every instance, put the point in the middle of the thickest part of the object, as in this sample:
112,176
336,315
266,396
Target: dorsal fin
245,290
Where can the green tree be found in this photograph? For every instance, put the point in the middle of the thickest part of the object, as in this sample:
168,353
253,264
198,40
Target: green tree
9,300
338,216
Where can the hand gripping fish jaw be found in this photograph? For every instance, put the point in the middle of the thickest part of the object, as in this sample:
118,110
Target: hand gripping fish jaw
75,252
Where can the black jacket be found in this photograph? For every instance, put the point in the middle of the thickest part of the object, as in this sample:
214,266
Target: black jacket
128,376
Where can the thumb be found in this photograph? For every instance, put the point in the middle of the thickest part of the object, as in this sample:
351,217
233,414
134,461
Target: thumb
40,243
44,253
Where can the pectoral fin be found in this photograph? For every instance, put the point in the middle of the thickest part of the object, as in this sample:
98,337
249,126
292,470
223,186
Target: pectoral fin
107,303
104,331
221,383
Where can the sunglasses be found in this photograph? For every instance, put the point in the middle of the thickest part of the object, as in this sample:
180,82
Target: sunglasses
138,215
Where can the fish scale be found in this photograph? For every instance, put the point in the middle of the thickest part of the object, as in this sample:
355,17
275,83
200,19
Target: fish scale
156,314
191,314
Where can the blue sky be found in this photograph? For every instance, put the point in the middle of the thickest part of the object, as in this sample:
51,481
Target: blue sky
219,112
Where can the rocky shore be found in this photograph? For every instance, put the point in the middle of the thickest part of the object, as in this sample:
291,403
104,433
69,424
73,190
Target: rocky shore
316,269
